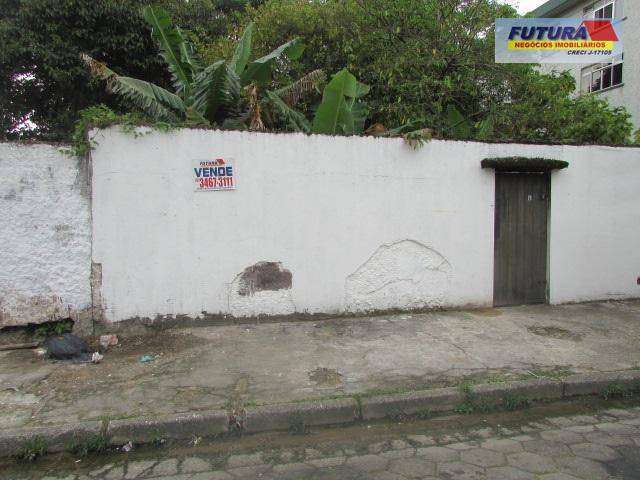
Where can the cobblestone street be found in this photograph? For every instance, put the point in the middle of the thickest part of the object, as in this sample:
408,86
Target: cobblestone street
597,445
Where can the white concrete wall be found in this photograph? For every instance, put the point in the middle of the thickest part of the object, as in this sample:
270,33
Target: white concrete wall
45,235
360,223
595,225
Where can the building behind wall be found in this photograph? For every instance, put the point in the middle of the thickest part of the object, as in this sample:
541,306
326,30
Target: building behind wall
617,81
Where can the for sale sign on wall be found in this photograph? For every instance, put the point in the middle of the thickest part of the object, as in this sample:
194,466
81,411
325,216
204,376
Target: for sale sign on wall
216,174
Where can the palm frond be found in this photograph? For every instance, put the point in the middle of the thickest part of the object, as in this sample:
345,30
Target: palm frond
216,91
236,123
291,94
159,103
193,117
209,92
294,120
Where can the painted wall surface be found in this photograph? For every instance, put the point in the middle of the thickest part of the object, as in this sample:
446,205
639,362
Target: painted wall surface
321,224
595,225
45,235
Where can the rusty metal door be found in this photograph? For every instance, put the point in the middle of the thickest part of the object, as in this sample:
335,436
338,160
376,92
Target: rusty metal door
520,247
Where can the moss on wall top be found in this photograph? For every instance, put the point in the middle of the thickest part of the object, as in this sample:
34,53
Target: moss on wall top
524,164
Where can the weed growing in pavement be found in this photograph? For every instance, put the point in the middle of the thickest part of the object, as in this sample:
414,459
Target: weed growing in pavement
555,373
32,449
236,422
93,444
618,390
467,404
57,327
463,408
613,390
472,403
513,401
297,425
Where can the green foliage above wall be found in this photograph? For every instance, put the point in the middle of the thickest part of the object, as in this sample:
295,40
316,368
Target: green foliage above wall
41,73
430,63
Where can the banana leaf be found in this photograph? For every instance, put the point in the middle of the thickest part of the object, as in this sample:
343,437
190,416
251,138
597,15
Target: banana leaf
172,47
340,111
242,51
259,71
156,101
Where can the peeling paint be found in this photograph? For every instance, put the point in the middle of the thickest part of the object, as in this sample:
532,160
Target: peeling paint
405,274
262,289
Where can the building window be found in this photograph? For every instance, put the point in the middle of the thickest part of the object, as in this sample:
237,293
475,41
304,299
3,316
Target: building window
606,11
601,76
602,9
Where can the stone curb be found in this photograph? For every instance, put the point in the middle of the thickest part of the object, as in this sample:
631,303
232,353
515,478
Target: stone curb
175,427
300,415
596,383
294,416
436,400
58,438
531,389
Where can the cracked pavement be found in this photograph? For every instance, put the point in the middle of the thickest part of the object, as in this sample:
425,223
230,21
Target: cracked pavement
211,367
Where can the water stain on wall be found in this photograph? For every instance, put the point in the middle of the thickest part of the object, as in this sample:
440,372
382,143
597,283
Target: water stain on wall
405,274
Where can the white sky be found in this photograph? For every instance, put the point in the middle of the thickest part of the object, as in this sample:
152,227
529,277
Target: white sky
525,6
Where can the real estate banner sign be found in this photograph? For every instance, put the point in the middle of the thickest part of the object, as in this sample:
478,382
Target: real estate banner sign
556,40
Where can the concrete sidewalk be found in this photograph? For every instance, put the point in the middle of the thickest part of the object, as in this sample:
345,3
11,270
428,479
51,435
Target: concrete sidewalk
208,368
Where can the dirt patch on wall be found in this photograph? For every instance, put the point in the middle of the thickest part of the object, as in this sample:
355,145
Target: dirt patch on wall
264,276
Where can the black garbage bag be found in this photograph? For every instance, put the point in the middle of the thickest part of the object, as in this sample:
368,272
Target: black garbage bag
66,347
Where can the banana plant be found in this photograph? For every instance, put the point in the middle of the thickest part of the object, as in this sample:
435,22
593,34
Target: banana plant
342,112
226,93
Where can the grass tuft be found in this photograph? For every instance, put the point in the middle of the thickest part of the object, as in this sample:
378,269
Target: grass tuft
93,444
297,424
32,449
513,401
